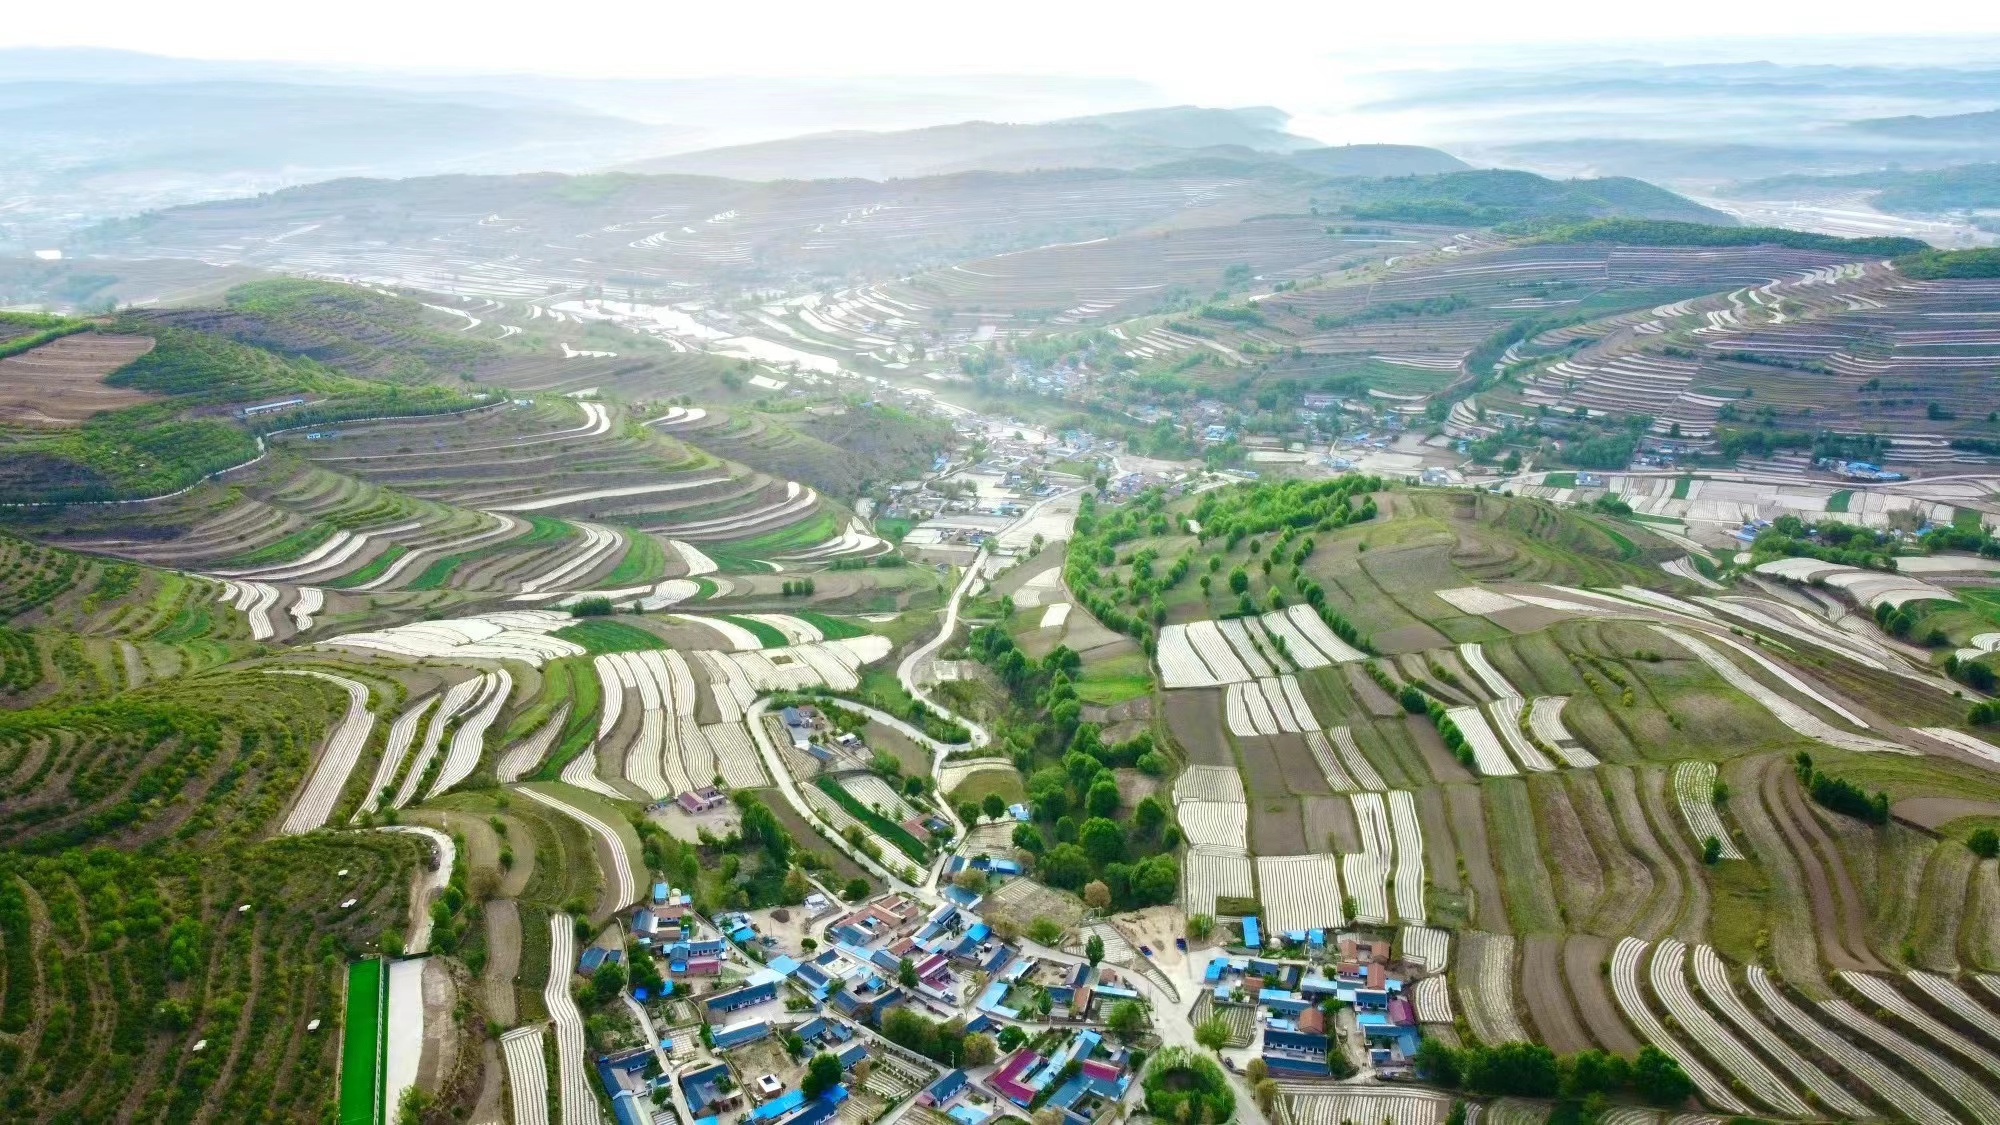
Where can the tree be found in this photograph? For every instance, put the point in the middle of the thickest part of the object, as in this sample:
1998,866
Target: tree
644,973
1096,894
1659,1079
1213,1034
906,973
1028,838
822,1074
1045,930
971,880
414,1104
606,982
1149,815
1102,799
1438,1062
1711,851
1239,580
1103,840
1595,1072
1065,866
994,806
1267,1094
796,887
1200,926
1187,1088
1256,1070
968,812
855,890
1984,842
1011,1037
1127,1019
1093,950
978,1050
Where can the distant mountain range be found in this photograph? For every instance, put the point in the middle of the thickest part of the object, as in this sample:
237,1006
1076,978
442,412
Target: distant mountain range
1968,128
1134,139
1927,192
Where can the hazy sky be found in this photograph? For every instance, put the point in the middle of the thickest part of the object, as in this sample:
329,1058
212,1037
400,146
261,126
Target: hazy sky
1210,51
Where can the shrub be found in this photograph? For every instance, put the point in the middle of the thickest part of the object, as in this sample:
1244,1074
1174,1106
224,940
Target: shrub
1181,1085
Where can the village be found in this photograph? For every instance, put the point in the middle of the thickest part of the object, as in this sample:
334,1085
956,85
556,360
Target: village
953,1008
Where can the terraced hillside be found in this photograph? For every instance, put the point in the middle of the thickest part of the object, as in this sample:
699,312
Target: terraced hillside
201,824
1456,719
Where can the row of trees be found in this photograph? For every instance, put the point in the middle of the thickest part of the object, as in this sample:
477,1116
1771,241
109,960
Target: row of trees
1839,794
1532,1070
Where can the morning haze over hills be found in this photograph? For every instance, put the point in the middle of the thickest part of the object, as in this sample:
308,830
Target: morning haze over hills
1420,586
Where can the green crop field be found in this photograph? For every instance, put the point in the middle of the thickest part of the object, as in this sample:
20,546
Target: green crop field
602,634
363,1044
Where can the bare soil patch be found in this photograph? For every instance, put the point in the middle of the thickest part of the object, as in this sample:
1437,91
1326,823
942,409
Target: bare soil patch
1296,766
1194,719
503,959
1583,965
1526,618
1276,827
1579,877
1440,857
1330,826
1369,693
1468,827
809,837
1408,638
1547,997
1796,933
1437,757
62,382
915,759
1263,773
1936,812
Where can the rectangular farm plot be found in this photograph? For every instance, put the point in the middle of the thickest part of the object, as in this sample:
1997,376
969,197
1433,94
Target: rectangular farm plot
1301,892
362,1041
1195,719
1214,873
1275,828
1209,783
1219,823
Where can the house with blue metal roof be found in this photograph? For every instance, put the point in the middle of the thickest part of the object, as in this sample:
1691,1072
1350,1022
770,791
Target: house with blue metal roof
945,1089
779,1106
737,1034
1252,936
743,997
703,1088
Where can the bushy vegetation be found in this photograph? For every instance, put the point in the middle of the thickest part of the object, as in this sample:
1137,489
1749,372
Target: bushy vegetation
1934,264
1133,607
158,447
39,330
1662,232
1839,794
760,864
1532,1070
1827,540
941,1041
1181,1085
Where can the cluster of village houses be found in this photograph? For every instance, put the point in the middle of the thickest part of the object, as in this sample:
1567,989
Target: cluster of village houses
742,1017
